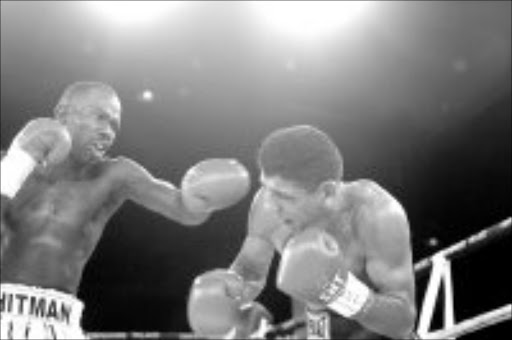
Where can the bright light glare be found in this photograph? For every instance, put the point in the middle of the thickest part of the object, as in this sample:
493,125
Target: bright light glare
125,12
309,18
147,95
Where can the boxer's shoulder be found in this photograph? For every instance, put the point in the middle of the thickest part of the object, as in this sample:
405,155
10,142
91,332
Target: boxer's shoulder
375,207
112,173
367,194
123,168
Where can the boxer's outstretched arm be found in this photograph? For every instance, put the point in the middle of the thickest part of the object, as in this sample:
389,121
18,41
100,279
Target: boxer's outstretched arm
391,310
160,196
255,256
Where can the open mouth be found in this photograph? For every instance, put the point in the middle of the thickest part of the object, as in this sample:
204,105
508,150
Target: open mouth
100,147
97,149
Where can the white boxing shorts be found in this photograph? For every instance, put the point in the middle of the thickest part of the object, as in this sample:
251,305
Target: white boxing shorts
37,313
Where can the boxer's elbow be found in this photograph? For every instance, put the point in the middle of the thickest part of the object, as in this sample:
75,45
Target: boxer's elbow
405,323
253,289
254,280
394,321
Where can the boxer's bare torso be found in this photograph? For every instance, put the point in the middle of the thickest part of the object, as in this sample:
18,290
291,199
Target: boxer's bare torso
347,224
54,223
345,227
51,226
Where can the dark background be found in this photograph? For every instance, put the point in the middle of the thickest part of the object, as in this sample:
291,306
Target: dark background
416,94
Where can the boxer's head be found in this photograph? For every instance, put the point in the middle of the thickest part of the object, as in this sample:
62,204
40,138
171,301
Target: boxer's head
92,113
300,169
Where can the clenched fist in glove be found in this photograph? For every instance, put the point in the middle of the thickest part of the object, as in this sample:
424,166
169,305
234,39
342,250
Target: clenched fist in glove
313,270
214,184
44,141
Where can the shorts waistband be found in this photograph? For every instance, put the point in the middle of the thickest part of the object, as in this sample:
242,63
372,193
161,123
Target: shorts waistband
40,303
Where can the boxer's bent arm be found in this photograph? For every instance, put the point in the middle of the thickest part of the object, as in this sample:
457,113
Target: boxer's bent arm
391,308
252,264
155,194
255,257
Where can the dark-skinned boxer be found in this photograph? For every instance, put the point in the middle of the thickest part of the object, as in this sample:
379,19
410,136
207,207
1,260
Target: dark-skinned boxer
59,189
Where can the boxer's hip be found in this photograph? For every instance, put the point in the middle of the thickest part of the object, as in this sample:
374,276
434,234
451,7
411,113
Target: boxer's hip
37,313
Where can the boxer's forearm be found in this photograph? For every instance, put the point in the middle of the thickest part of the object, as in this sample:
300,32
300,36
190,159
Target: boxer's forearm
253,289
254,283
391,316
253,264
165,199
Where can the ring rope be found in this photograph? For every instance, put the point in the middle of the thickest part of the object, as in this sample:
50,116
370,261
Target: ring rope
469,244
473,324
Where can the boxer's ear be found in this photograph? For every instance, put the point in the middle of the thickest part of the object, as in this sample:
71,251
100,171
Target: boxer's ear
61,113
328,191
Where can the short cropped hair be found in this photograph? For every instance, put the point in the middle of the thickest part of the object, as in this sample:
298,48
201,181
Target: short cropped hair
301,154
79,89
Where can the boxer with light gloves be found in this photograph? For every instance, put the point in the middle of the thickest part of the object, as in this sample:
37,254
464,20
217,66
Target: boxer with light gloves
346,259
59,189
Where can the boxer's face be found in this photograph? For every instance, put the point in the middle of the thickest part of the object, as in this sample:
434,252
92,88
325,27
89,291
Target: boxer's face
93,122
296,207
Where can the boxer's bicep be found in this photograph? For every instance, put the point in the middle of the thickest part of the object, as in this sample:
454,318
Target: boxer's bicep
157,195
389,257
390,307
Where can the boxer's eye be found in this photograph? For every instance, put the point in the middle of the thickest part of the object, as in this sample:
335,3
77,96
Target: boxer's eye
284,197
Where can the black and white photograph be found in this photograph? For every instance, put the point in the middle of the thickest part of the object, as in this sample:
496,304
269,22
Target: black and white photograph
255,169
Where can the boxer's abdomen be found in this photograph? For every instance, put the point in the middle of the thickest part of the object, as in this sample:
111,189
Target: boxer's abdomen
43,262
54,230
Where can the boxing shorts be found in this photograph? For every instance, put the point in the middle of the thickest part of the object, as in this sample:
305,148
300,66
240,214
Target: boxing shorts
37,313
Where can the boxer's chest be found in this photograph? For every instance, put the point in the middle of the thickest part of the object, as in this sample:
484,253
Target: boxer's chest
43,204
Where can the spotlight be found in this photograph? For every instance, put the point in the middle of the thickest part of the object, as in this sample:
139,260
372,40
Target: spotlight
146,96
309,18
125,12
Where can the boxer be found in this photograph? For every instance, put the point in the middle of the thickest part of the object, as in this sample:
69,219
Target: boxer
345,247
59,188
